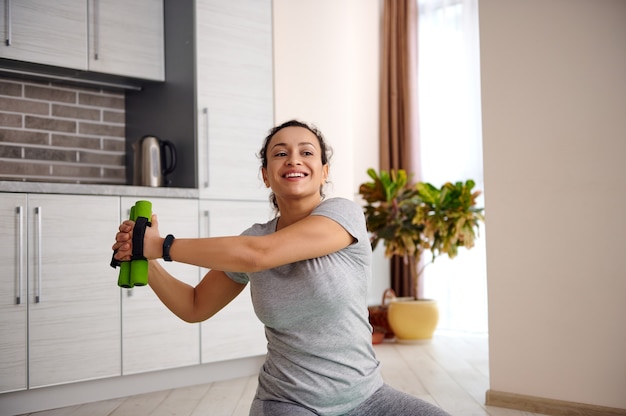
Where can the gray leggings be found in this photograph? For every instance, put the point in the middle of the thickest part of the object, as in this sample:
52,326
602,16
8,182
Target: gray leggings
386,401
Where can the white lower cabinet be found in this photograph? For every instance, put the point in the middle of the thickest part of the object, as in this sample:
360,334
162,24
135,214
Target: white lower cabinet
13,302
60,273
235,331
73,306
153,338
63,319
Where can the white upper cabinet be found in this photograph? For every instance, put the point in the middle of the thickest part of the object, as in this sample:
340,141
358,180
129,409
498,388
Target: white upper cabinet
217,102
235,95
108,36
126,38
45,32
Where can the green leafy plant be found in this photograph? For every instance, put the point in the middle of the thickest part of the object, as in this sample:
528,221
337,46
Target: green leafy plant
413,218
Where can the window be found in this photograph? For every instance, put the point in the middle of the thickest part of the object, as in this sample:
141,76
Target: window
451,147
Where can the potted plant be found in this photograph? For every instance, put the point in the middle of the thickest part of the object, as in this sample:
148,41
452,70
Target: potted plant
411,219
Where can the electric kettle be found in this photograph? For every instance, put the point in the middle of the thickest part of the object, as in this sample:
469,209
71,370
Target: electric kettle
151,161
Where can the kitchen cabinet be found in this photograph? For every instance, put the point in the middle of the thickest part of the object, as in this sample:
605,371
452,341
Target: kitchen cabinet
235,95
235,331
107,36
216,105
73,304
45,32
67,296
126,38
153,338
13,309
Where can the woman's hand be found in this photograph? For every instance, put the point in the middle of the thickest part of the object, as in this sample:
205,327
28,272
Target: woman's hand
152,242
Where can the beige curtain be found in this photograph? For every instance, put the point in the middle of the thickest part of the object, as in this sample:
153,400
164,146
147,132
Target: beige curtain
398,107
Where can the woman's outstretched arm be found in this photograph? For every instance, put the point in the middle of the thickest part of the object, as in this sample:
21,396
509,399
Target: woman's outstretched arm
193,304
313,236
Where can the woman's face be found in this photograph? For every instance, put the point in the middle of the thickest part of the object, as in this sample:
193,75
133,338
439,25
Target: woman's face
294,164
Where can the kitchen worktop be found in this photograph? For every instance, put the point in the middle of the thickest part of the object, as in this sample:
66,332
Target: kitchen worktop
89,189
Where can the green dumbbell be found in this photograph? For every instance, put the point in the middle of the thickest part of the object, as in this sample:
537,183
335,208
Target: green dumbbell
135,272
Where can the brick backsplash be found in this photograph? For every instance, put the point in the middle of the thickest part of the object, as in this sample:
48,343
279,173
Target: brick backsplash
54,132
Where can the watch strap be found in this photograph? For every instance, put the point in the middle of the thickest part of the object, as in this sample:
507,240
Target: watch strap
167,244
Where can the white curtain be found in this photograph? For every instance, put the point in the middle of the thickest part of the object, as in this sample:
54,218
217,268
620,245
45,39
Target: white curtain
451,147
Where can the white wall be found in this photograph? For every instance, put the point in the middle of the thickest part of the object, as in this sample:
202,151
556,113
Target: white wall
554,139
326,72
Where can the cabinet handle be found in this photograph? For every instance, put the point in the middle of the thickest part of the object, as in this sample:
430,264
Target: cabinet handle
20,252
38,213
96,29
207,214
7,22
205,111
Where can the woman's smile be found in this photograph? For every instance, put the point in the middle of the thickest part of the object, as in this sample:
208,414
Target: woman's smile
295,175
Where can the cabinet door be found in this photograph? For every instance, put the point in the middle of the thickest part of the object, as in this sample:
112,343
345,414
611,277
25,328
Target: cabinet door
74,301
13,294
153,338
235,331
235,95
126,38
45,32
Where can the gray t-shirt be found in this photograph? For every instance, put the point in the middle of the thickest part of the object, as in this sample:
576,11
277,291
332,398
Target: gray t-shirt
320,351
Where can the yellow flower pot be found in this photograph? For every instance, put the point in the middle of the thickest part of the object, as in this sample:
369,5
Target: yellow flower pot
413,320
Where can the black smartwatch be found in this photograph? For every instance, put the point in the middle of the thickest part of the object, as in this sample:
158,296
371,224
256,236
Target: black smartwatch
167,244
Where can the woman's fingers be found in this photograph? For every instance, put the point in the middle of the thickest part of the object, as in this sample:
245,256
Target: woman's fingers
122,246
122,251
123,241
126,226
123,236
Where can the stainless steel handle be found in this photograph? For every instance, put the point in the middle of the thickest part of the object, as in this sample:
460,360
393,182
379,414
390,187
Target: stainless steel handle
96,29
20,253
7,22
205,111
38,213
207,216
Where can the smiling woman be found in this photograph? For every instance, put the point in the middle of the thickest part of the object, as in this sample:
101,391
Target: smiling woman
308,270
